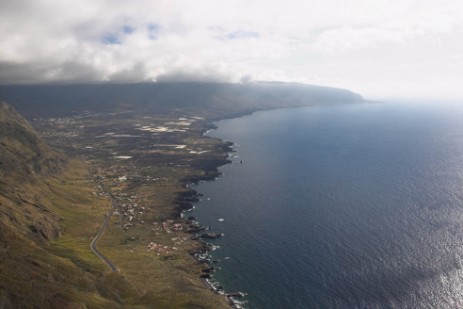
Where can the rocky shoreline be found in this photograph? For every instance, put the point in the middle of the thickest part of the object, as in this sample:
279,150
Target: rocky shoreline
150,176
185,204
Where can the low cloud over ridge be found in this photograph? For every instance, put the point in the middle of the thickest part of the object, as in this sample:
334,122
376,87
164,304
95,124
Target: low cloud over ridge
368,47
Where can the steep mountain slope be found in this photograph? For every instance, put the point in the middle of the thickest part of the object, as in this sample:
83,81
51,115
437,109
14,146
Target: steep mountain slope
33,273
24,159
23,155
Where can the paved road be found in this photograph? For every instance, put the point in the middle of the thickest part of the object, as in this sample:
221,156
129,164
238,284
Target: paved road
100,232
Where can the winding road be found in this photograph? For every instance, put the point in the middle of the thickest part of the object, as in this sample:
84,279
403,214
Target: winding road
98,235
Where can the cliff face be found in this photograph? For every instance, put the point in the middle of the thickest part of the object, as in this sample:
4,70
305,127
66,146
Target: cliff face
24,160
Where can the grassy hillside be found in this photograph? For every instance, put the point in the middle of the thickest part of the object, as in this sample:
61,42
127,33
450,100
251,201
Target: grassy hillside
38,187
36,271
23,154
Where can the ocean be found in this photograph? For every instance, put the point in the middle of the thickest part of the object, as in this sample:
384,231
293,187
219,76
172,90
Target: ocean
349,206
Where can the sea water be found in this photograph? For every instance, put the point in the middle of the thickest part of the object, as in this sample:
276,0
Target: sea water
349,206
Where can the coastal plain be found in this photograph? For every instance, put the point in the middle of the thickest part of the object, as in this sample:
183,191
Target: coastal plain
117,161
144,163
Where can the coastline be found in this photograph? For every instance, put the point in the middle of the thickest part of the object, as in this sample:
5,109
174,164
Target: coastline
146,237
185,204
223,191
148,157
150,175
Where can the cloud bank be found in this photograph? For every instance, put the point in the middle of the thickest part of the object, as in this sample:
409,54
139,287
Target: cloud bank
363,45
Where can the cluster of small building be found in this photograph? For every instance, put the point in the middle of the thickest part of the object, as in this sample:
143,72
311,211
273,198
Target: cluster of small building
169,226
66,122
165,249
100,191
160,249
178,241
131,213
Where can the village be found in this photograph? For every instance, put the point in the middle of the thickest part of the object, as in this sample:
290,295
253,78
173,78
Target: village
145,165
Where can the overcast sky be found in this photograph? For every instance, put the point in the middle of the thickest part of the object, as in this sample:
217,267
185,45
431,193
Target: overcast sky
379,48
